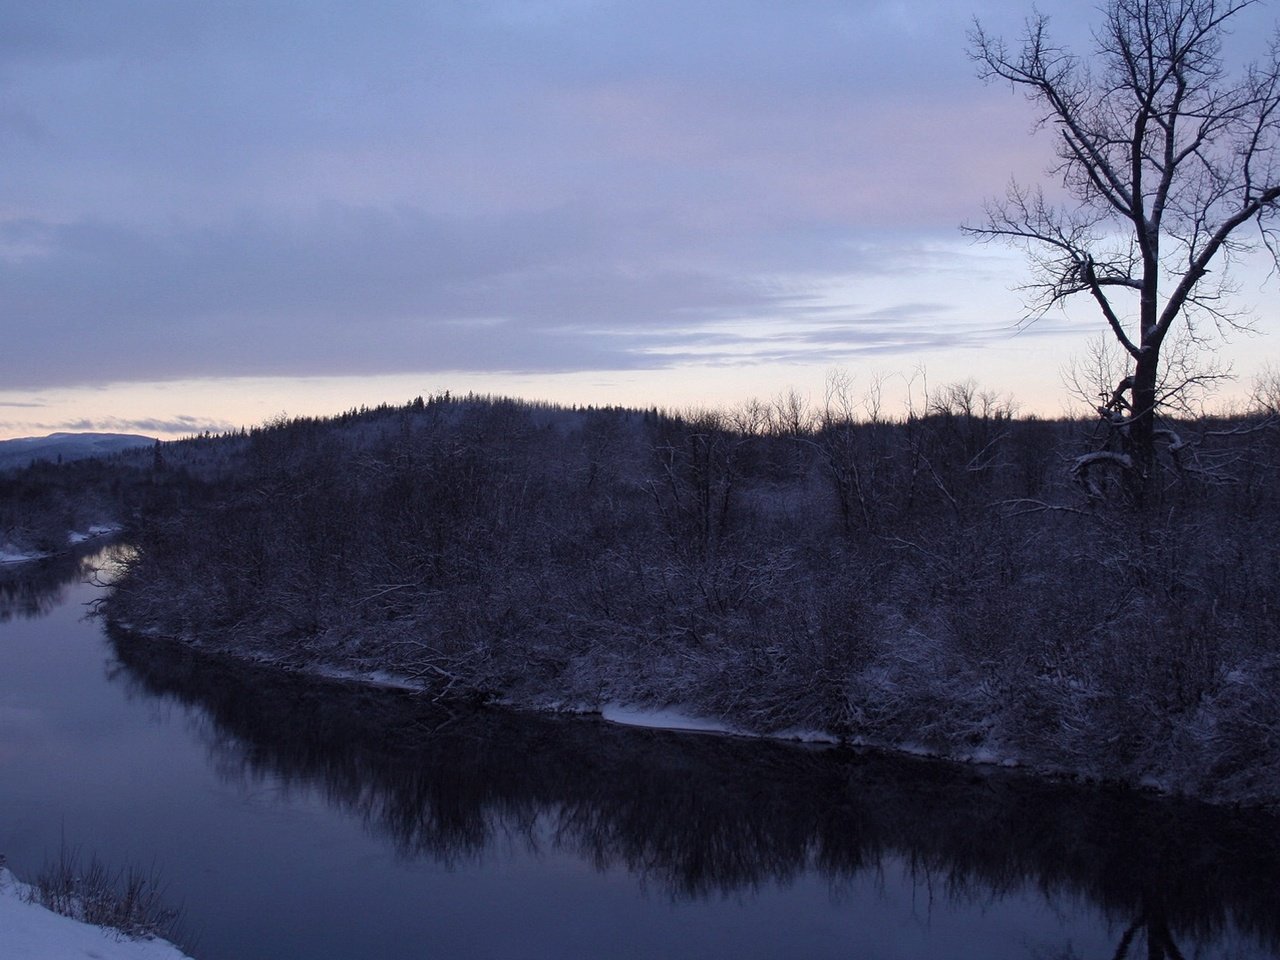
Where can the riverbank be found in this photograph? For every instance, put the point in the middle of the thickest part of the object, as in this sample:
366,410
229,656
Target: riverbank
14,555
30,932
648,710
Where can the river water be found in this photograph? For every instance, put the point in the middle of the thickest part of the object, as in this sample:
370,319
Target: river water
294,818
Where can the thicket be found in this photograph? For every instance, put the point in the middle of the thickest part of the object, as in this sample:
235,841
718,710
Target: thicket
942,581
41,504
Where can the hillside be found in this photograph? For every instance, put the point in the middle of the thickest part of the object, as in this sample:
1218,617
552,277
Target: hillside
65,447
939,582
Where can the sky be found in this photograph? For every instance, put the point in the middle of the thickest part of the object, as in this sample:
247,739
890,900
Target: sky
212,214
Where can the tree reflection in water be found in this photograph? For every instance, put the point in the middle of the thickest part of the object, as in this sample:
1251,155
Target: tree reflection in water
32,589
704,816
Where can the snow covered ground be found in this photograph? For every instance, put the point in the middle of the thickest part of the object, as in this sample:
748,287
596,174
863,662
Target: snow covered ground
97,530
673,718
11,554
660,719
30,932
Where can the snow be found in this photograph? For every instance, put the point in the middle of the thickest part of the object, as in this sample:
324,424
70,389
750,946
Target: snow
674,718
807,736
371,678
97,530
30,932
10,555
661,718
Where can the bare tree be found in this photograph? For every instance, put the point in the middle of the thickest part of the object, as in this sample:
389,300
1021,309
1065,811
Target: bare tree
1165,162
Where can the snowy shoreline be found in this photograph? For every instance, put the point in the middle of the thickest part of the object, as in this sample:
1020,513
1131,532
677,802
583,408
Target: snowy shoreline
29,931
10,555
685,720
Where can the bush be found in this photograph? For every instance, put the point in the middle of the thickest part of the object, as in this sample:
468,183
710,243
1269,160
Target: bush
129,900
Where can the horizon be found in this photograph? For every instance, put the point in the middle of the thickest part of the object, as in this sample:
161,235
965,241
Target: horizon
915,405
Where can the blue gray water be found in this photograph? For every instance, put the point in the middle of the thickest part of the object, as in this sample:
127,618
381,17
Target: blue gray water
298,819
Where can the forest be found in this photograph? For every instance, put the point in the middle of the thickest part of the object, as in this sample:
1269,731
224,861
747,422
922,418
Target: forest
948,581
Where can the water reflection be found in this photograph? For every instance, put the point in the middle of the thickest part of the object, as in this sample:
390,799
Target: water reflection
704,816
30,590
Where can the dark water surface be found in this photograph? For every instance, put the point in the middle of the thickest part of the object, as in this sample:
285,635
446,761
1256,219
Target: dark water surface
304,819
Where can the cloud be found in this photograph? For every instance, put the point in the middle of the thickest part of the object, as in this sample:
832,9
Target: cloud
184,425
289,189
369,291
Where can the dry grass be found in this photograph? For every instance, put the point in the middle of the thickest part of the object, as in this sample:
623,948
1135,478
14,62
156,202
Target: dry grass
129,900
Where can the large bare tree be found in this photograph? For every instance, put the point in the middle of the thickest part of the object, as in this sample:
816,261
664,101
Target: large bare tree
1169,171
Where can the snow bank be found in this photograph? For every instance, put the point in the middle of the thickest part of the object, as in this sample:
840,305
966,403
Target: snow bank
30,932
98,530
673,718
661,719
9,554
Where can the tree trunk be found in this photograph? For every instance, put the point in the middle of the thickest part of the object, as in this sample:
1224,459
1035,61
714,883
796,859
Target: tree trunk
1143,421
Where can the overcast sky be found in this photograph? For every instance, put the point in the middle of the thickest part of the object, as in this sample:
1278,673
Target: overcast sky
211,213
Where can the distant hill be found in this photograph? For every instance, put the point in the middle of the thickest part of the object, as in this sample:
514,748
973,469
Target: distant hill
67,446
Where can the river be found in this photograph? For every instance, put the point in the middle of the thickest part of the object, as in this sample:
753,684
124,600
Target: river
297,818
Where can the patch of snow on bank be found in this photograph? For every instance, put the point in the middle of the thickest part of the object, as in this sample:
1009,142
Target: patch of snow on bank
665,718
368,678
672,718
9,555
806,736
98,530
30,932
